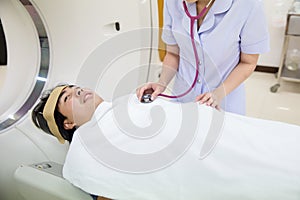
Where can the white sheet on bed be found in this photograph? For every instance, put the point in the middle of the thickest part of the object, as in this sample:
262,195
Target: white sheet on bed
253,159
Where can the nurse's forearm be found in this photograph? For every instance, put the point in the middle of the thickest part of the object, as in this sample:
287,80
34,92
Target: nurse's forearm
170,65
240,73
169,69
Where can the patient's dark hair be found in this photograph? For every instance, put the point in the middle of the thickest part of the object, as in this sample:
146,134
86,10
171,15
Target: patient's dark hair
40,122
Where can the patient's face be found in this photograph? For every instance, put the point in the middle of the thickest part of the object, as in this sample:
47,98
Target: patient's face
78,104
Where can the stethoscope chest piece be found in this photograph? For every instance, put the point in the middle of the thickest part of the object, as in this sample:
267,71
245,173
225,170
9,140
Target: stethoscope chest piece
146,98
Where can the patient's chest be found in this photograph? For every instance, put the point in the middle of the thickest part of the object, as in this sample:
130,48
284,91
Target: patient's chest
142,128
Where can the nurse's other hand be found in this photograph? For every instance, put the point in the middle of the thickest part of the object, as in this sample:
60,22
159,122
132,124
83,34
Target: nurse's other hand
212,99
156,87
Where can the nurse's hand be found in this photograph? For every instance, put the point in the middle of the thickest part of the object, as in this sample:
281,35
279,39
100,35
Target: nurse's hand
212,99
155,88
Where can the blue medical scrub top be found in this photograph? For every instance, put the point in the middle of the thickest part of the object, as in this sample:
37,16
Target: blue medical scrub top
229,28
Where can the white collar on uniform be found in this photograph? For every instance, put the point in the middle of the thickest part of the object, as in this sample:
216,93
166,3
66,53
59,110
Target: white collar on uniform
219,6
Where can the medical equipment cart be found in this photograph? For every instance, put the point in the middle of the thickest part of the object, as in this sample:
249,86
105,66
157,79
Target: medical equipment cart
292,30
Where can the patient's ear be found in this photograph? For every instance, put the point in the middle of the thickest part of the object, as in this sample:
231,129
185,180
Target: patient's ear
69,125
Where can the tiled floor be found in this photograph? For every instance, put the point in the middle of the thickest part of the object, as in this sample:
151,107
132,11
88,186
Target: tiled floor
284,105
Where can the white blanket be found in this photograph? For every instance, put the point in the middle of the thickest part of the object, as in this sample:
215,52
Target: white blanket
252,159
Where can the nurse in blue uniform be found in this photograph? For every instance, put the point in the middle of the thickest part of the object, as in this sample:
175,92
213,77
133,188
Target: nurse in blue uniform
229,38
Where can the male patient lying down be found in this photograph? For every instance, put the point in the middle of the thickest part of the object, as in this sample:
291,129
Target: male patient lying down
162,150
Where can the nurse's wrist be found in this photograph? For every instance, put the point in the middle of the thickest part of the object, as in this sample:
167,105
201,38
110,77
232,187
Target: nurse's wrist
162,83
220,92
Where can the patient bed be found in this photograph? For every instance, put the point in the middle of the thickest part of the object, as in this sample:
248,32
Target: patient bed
254,159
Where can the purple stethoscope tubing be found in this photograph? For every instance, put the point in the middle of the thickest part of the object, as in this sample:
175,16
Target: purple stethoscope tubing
193,19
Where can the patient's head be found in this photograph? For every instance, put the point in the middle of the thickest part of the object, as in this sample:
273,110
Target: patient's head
64,108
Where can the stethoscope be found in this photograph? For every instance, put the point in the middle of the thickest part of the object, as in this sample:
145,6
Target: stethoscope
146,98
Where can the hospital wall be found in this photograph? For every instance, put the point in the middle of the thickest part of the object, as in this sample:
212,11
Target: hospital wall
81,34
